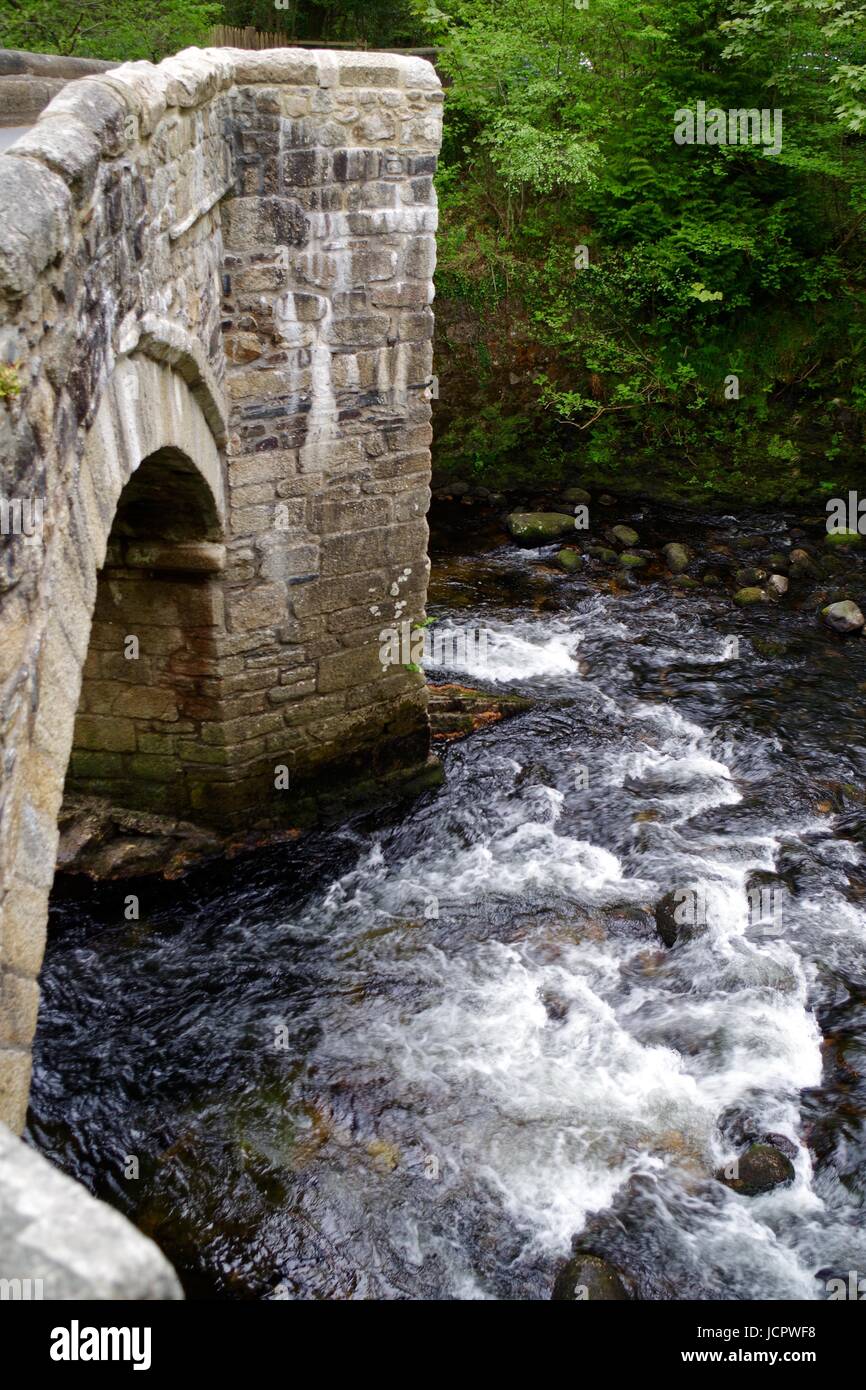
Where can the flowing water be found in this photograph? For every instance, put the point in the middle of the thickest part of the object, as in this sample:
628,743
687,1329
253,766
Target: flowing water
416,1056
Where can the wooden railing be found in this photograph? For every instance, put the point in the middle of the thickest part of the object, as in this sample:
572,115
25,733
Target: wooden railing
230,36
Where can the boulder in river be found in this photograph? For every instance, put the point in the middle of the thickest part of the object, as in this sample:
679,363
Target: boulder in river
569,559
539,528
588,1278
676,557
845,539
630,561
744,598
777,585
749,577
623,535
603,552
577,496
803,561
761,1168
669,915
843,617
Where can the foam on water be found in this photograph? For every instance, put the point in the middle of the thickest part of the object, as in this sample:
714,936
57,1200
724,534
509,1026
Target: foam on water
487,982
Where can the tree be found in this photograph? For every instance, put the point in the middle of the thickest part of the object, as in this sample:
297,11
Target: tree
121,29
703,260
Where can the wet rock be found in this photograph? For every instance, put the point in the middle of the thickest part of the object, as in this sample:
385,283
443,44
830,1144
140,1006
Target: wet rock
711,579
539,528
748,577
684,581
761,1168
106,842
556,1005
782,1143
744,598
843,617
458,710
588,1278
667,914
846,539
802,566
604,553
676,557
623,535
777,585
606,500
577,497
569,559
630,561
779,562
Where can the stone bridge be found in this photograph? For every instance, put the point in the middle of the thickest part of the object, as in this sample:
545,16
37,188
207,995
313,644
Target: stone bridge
215,355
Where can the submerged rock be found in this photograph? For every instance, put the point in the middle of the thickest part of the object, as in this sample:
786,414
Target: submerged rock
589,1278
843,617
761,1168
676,557
539,528
744,598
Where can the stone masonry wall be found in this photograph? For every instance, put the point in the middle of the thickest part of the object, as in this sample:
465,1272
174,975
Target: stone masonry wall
224,259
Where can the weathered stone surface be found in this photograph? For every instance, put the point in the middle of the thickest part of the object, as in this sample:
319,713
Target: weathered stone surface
34,215
54,1232
218,274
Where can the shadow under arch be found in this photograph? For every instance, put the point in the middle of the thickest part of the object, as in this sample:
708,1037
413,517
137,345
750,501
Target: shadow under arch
151,681
143,512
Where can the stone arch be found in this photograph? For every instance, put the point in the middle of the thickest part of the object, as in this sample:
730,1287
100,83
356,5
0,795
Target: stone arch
147,420
229,251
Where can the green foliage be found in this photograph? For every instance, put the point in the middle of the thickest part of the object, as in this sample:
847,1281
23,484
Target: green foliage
121,29
367,22
703,260
10,382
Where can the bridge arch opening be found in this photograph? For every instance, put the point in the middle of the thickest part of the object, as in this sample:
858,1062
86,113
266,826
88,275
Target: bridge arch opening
151,687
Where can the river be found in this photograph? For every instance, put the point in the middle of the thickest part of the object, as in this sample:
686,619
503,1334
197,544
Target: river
415,1056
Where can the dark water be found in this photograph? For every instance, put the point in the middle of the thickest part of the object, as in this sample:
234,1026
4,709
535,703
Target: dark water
414,1057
